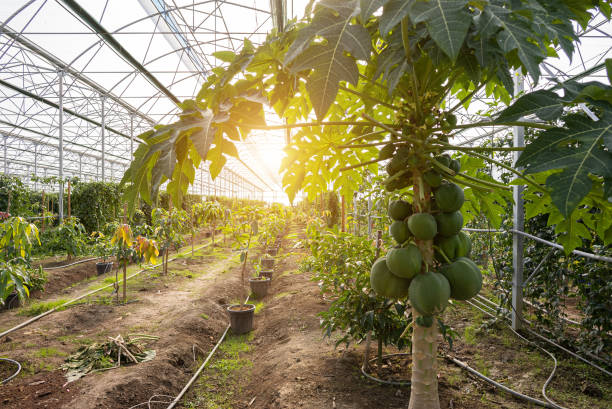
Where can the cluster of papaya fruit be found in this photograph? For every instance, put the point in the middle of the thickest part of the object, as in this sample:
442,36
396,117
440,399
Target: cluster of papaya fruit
402,271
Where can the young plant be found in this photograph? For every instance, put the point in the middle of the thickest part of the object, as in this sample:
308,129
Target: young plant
168,227
17,238
127,249
101,245
71,237
213,213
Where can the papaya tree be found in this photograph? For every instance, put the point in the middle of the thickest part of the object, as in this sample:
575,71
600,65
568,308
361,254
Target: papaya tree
385,80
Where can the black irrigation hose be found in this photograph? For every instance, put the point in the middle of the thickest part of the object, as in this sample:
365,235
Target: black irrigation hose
383,381
549,402
13,375
71,264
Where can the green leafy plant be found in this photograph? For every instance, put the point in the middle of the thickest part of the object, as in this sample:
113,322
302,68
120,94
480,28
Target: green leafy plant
168,227
17,238
71,237
378,75
341,263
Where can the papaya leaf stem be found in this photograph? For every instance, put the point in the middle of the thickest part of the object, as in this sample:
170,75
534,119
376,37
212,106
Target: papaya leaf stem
443,254
469,184
484,182
482,148
491,123
468,97
362,95
390,129
360,164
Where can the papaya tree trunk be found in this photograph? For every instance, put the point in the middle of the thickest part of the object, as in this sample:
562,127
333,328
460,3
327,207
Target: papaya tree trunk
380,351
424,382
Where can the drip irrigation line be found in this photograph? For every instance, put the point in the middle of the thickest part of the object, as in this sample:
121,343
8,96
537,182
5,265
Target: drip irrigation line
54,309
196,375
383,381
13,375
71,264
548,404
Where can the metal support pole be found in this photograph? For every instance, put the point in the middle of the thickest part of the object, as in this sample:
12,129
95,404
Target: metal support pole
518,214
60,200
102,136
132,136
369,217
35,166
5,160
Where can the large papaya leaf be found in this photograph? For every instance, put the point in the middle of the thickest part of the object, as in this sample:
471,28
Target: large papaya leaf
577,150
546,105
447,22
513,32
332,21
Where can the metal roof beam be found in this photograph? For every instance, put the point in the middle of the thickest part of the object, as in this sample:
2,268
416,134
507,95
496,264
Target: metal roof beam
56,106
113,43
68,69
32,140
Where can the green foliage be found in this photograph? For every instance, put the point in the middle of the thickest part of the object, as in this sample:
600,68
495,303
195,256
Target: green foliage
71,237
17,238
15,197
340,263
95,203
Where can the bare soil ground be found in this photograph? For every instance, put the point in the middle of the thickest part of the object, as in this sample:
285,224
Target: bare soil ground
284,363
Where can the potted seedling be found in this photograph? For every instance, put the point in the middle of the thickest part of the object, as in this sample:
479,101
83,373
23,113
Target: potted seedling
241,315
103,249
259,283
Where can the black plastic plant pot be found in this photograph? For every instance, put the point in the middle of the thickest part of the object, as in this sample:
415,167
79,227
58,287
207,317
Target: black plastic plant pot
266,273
259,286
104,267
12,301
241,318
267,263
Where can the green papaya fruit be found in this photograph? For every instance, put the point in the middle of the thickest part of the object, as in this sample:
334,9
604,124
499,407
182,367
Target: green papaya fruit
386,152
450,247
449,197
385,283
399,209
424,321
449,224
464,277
399,231
423,226
444,160
455,165
404,262
465,247
432,178
429,293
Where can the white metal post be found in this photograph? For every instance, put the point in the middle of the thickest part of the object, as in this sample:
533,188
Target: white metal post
5,160
132,136
60,200
35,166
518,214
102,136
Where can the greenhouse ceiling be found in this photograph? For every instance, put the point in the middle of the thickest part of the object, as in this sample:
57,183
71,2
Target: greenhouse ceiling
122,66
